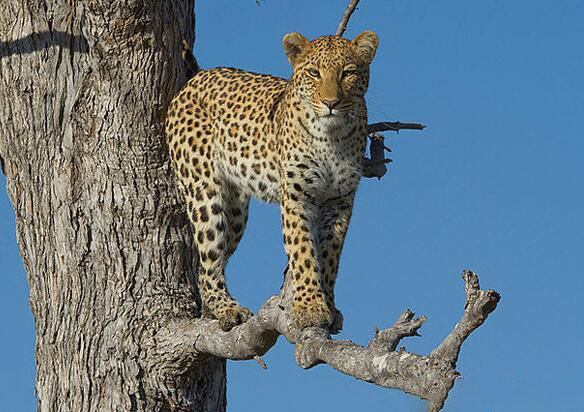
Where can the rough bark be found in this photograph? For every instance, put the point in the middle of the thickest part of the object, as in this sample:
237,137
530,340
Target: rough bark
101,230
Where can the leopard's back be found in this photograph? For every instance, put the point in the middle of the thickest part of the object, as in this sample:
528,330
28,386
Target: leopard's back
228,115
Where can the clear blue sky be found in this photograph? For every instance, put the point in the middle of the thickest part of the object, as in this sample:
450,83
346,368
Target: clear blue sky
494,184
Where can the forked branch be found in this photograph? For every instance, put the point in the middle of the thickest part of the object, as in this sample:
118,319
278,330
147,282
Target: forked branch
427,377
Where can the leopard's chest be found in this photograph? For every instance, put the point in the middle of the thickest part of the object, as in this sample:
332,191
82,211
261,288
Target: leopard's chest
332,174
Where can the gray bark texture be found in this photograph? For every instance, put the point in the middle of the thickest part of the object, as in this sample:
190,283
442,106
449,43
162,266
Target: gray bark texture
103,233
101,230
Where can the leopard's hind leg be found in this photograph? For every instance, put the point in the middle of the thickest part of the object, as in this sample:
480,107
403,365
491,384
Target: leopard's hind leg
217,210
218,216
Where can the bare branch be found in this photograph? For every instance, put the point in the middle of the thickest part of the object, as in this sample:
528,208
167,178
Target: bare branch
393,126
479,303
346,16
427,377
405,326
375,166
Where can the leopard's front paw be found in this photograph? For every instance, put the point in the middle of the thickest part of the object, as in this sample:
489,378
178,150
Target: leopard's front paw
232,316
311,314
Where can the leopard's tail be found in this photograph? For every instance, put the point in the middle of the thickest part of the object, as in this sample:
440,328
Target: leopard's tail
189,59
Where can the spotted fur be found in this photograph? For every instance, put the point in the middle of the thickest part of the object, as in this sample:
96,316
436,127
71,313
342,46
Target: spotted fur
233,134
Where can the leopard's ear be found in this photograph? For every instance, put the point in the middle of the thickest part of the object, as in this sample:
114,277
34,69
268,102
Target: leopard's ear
366,44
294,45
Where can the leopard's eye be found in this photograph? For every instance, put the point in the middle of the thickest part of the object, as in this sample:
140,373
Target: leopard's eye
314,73
349,72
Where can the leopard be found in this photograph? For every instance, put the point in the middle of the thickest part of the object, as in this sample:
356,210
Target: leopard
234,134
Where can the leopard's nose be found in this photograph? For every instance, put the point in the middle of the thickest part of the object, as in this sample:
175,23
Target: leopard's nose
330,103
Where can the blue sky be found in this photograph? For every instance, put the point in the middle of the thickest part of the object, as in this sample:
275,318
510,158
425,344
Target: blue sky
493,184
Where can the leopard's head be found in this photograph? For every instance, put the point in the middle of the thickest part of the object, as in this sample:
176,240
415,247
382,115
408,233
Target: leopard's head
331,74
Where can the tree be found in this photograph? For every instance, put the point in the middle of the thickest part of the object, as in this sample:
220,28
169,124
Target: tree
104,237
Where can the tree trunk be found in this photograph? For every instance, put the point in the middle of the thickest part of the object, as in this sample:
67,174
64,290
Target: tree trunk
102,232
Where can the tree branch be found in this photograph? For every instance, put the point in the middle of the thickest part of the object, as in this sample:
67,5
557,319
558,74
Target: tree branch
346,16
479,304
393,126
427,377
405,326
375,166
